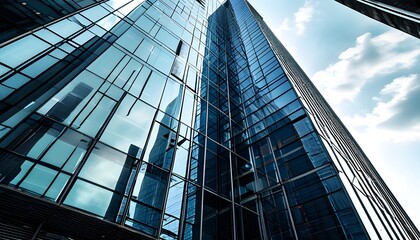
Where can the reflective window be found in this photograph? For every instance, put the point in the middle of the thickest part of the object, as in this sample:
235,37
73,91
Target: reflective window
19,51
168,39
140,78
144,50
175,195
65,28
217,217
161,146
129,125
94,115
89,197
13,168
57,186
181,157
69,149
107,167
171,100
38,179
169,228
16,81
151,184
143,218
130,39
106,62
193,212
153,89
161,59
39,66
145,23
68,103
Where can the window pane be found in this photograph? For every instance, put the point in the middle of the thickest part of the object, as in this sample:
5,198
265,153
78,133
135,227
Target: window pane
12,168
153,90
57,186
64,148
161,146
143,218
151,185
22,50
176,191
129,125
89,198
38,179
108,167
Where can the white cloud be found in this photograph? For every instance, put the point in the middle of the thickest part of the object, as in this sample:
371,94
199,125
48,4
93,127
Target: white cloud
371,57
301,18
285,25
396,116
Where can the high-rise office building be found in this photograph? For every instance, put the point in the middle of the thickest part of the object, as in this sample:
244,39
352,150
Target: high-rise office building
402,15
175,119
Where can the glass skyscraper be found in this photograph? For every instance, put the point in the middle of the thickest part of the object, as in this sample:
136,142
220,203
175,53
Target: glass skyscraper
173,119
402,15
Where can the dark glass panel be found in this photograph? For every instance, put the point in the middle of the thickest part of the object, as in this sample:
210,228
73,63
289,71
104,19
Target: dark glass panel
247,224
193,212
217,217
150,187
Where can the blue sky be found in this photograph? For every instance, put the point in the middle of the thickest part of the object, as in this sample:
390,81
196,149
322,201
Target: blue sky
370,75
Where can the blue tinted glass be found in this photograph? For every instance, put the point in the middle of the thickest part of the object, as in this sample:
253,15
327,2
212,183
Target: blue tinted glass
151,184
104,166
176,191
57,186
143,218
22,50
97,117
154,89
89,197
103,65
38,179
129,125
16,81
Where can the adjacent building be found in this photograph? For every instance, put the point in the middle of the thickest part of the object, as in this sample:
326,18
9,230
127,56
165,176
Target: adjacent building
175,119
402,15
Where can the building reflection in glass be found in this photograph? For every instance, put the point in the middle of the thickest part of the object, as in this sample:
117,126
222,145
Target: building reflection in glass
29,142
152,182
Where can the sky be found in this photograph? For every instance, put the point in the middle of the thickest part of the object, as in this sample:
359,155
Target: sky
370,75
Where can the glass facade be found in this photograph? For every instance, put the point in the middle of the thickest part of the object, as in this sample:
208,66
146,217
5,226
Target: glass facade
176,119
402,15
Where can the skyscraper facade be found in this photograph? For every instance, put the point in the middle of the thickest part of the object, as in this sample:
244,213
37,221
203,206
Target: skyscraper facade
402,15
176,119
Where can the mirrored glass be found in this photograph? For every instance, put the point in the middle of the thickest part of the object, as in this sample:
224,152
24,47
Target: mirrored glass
13,168
57,186
39,66
22,50
108,167
175,195
150,187
71,145
169,228
89,197
152,93
143,218
39,179
129,125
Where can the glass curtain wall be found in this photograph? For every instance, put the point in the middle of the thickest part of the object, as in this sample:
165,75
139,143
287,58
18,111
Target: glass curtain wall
174,119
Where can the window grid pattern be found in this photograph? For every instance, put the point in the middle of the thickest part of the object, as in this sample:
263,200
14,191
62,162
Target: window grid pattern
173,119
